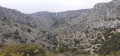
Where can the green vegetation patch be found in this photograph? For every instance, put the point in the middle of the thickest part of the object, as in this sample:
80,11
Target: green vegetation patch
111,44
22,50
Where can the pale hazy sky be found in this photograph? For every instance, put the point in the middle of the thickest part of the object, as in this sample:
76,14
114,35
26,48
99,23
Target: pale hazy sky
32,6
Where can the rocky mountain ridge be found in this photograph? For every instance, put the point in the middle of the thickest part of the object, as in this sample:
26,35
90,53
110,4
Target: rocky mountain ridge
81,29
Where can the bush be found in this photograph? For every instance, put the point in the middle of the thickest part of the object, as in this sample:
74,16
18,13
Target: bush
32,40
17,37
6,35
82,52
29,30
16,32
62,50
76,41
3,40
16,25
22,41
4,19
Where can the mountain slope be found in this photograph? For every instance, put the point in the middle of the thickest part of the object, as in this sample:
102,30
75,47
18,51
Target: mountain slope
87,29
81,29
12,32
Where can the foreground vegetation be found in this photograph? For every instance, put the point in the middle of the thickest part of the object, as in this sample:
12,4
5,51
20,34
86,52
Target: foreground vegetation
22,50
35,50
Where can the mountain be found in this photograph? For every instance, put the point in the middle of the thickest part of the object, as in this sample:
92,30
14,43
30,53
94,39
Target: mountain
87,29
43,20
81,29
50,19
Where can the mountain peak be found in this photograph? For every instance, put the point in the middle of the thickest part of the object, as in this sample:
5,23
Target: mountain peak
116,0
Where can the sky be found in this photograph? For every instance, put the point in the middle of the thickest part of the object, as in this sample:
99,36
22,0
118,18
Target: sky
32,6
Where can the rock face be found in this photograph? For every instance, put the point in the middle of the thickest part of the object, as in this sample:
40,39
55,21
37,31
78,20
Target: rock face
82,29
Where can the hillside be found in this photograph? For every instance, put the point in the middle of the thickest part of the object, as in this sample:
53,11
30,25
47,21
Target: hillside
81,29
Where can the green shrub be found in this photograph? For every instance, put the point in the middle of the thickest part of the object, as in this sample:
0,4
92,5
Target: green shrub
6,35
17,37
62,50
22,41
4,19
16,25
29,30
110,45
77,41
16,32
32,40
26,39
82,52
3,40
